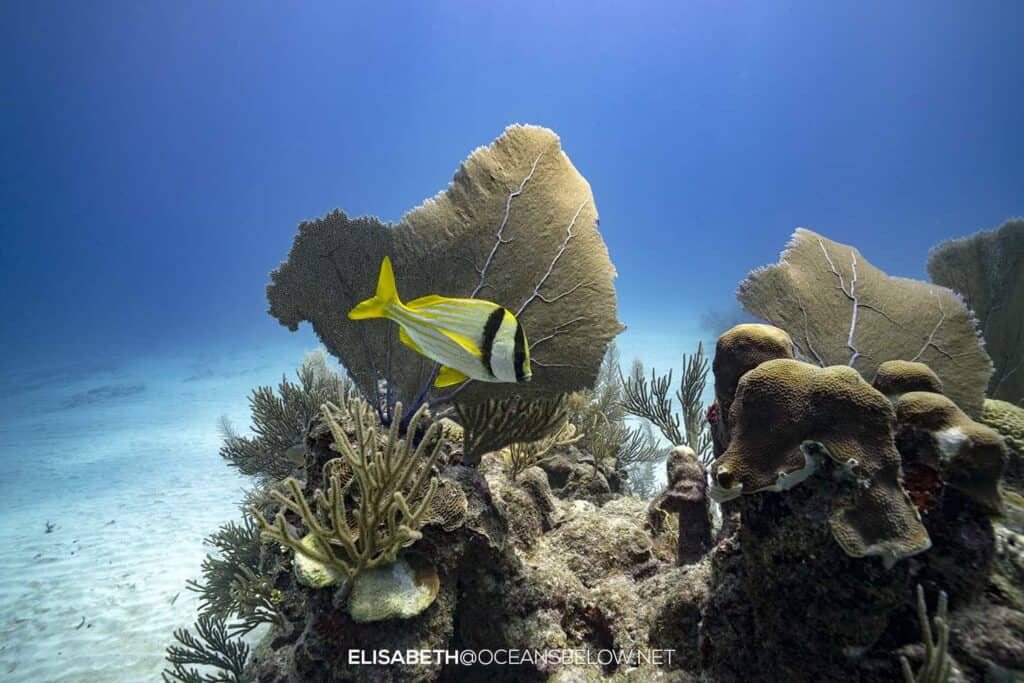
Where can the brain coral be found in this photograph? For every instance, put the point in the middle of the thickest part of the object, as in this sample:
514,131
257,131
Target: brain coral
895,377
971,456
743,348
987,268
1007,419
517,226
841,310
785,414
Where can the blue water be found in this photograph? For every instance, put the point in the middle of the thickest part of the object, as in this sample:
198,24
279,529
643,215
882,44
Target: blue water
156,158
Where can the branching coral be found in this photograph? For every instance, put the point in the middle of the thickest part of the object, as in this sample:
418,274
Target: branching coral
394,485
651,402
987,269
494,424
841,310
235,585
212,647
936,665
524,455
600,413
280,420
517,226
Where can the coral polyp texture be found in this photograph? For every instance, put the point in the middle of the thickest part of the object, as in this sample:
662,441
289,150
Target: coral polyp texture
787,417
395,486
841,310
970,456
987,268
897,377
516,226
738,350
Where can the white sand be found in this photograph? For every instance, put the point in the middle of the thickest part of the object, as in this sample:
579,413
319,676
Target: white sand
133,484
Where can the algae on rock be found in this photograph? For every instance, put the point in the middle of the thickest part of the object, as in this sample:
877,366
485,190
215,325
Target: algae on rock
841,310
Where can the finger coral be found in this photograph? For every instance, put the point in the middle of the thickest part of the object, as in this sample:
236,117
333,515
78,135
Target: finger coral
394,483
516,226
841,310
788,416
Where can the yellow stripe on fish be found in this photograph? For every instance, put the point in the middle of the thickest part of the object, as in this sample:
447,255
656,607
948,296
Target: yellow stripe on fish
470,338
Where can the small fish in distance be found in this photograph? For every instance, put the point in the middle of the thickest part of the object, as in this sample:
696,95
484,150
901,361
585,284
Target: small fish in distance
470,338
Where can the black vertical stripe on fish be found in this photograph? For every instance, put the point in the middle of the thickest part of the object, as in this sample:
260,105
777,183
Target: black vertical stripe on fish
520,352
491,328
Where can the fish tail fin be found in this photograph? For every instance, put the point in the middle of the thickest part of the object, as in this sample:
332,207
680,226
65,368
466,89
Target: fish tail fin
387,294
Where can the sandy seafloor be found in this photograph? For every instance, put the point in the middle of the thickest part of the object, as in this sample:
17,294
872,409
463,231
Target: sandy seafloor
123,459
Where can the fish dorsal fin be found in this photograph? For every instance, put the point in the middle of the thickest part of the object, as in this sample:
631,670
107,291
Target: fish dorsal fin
424,301
404,337
449,376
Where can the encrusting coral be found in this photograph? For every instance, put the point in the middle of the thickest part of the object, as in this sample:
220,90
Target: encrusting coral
987,269
841,310
388,477
822,412
516,226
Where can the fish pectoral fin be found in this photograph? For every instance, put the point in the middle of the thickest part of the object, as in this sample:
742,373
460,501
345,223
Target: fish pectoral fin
449,376
467,344
404,337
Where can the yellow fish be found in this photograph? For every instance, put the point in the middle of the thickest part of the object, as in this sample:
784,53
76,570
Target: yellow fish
470,338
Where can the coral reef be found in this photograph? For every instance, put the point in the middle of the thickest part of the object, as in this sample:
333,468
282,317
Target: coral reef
968,456
738,350
936,665
987,269
516,518
280,420
686,496
394,488
494,424
517,226
651,402
600,413
1008,420
841,310
212,647
523,455
897,377
818,412
236,581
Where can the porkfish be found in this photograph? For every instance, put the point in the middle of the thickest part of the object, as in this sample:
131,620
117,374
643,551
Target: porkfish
470,338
